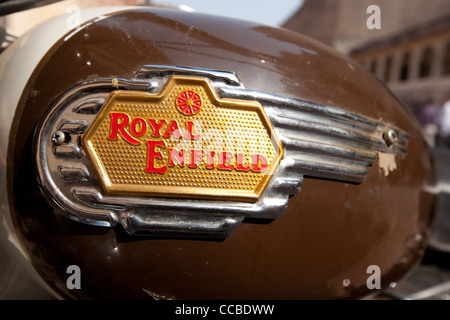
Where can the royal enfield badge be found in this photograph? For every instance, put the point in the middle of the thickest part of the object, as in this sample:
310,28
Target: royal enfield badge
183,142
177,151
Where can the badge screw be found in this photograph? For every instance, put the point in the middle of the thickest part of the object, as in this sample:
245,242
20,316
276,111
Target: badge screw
59,137
390,136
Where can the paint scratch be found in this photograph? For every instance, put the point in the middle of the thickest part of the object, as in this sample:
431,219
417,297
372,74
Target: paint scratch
387,162
155,295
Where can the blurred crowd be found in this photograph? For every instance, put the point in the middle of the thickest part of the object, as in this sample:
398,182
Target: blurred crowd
435,120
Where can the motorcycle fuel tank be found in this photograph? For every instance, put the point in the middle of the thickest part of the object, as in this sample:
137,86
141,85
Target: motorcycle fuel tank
178,155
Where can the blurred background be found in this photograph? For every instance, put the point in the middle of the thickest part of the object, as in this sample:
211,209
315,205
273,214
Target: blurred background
409,52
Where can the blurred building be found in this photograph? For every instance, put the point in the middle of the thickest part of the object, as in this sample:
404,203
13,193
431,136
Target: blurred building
342,23
415,63
411,51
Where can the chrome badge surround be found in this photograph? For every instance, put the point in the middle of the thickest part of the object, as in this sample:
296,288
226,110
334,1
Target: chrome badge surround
318,141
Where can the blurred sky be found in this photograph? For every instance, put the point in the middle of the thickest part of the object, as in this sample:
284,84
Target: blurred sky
269,12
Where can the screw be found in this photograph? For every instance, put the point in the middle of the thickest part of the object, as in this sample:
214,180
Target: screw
390,136
59,137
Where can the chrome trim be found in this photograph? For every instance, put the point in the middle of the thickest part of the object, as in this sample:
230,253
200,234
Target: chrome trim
153,72
324,141
318,141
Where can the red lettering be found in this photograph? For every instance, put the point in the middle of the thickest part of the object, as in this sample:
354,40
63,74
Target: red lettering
259,163
156,126
239,163
152,155
178,155
138,127
122,126
196,156
118,123
190,135
210,162
224,159
173,129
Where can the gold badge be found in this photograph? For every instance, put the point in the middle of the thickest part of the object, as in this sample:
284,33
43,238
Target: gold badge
184,141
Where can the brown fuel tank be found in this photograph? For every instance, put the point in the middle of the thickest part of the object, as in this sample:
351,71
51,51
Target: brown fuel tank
321,247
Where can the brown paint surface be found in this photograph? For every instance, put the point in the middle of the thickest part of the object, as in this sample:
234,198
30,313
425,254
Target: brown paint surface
331,231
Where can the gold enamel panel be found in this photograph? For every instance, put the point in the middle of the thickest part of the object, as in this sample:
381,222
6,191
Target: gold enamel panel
184,141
